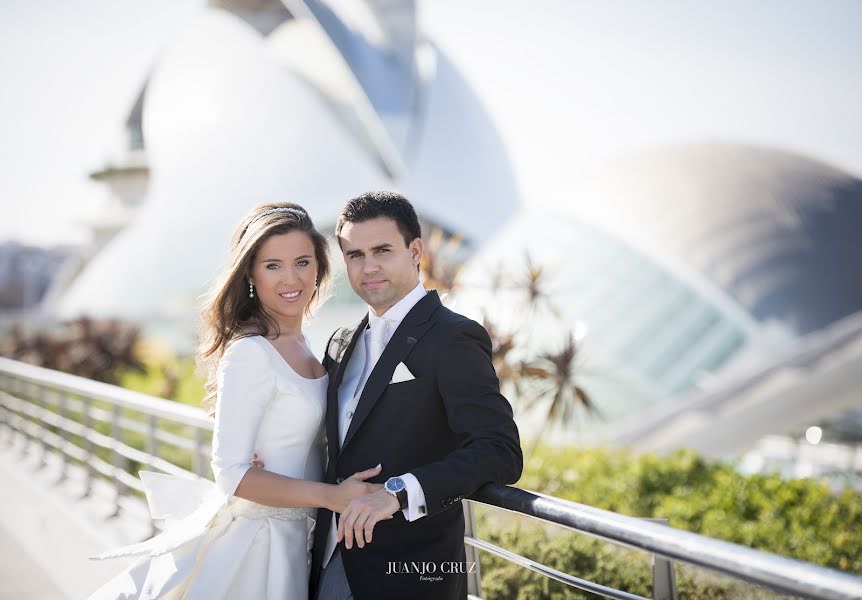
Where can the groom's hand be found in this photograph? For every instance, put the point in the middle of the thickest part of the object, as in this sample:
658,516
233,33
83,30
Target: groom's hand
362,514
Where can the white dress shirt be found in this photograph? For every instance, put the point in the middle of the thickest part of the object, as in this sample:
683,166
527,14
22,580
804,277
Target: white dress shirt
356,375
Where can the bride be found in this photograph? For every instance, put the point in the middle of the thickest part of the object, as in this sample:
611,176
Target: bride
249,535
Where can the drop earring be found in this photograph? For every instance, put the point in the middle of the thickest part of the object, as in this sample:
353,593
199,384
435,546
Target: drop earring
250,290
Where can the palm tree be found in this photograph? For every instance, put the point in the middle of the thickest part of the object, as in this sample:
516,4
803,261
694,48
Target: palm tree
556,375
439,265
509,371
535,282
545,377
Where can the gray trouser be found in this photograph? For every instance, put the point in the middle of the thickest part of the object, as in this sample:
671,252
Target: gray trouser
333,580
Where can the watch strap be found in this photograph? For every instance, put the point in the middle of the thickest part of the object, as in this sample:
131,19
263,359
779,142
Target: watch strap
402,497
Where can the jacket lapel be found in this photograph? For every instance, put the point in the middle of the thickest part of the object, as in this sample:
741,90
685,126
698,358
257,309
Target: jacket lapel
332,391
415,325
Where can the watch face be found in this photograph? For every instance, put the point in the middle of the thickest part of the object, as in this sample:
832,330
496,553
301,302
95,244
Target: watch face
395,484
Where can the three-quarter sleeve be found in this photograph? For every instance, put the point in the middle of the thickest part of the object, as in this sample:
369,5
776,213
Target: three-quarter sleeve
246,386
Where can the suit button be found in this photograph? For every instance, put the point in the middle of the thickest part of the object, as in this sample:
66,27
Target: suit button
339,479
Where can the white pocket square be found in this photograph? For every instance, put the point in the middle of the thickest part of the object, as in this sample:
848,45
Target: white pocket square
401,373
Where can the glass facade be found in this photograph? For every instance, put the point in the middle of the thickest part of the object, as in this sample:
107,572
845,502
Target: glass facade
651,336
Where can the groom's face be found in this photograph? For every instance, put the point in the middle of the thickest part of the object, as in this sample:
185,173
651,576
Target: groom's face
382,269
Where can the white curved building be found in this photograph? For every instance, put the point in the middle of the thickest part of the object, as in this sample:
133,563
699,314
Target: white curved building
312,103
698,271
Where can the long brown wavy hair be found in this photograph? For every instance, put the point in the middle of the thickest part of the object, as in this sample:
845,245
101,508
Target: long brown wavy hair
228,312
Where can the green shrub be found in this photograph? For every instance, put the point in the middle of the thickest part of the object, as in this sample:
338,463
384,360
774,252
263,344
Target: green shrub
795,518
592,560
171,378
165,377
92,348
798,518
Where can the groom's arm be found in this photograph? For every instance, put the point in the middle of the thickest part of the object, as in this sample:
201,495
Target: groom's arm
472,345
480,416
489,447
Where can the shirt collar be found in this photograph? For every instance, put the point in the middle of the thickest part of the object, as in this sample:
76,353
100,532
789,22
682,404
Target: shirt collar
399,310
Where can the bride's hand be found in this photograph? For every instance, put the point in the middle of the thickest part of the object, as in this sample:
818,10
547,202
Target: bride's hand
354,487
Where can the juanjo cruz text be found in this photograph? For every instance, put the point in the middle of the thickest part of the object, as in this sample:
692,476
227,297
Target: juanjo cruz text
424,568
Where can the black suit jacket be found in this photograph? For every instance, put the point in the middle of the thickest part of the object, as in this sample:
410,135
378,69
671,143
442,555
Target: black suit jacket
450,427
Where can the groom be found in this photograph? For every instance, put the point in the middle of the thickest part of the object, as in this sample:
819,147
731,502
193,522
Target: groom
411,387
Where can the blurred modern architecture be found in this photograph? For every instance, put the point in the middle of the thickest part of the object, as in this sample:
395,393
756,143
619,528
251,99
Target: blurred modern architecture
721,293
311,102
718,284
27,273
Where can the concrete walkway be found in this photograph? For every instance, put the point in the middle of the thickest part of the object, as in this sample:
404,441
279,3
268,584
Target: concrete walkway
20,577
50,527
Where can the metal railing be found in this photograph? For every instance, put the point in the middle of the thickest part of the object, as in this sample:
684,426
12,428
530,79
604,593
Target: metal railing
108,429
769,570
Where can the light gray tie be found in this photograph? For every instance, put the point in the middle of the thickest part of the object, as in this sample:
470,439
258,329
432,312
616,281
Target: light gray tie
376,343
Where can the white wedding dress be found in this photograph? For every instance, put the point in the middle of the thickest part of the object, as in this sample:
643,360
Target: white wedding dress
219,546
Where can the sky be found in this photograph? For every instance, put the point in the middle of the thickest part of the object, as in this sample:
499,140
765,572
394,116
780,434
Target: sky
70,71
573,83
570,84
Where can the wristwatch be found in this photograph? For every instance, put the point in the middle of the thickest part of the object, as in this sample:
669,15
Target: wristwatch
395,486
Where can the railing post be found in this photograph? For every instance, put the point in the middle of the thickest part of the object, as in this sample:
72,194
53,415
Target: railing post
152,450
197,459
89,470
25,396
663,579
15,388
64,413
663,576
41,403
7,389
152,441
116,457
4,388
474,577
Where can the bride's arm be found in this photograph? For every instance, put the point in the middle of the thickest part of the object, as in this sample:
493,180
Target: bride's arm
246,386
272,489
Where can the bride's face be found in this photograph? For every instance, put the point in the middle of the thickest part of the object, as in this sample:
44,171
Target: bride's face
284,273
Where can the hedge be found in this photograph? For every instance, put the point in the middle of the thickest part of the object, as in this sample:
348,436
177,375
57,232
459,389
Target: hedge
796,518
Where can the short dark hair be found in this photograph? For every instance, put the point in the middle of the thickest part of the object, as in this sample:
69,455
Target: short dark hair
391,205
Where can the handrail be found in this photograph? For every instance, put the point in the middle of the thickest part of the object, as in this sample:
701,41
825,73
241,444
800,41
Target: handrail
551,573
96,390
61,412
777,572
27,391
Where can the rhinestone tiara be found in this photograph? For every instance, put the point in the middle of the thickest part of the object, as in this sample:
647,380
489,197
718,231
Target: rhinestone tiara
281,209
